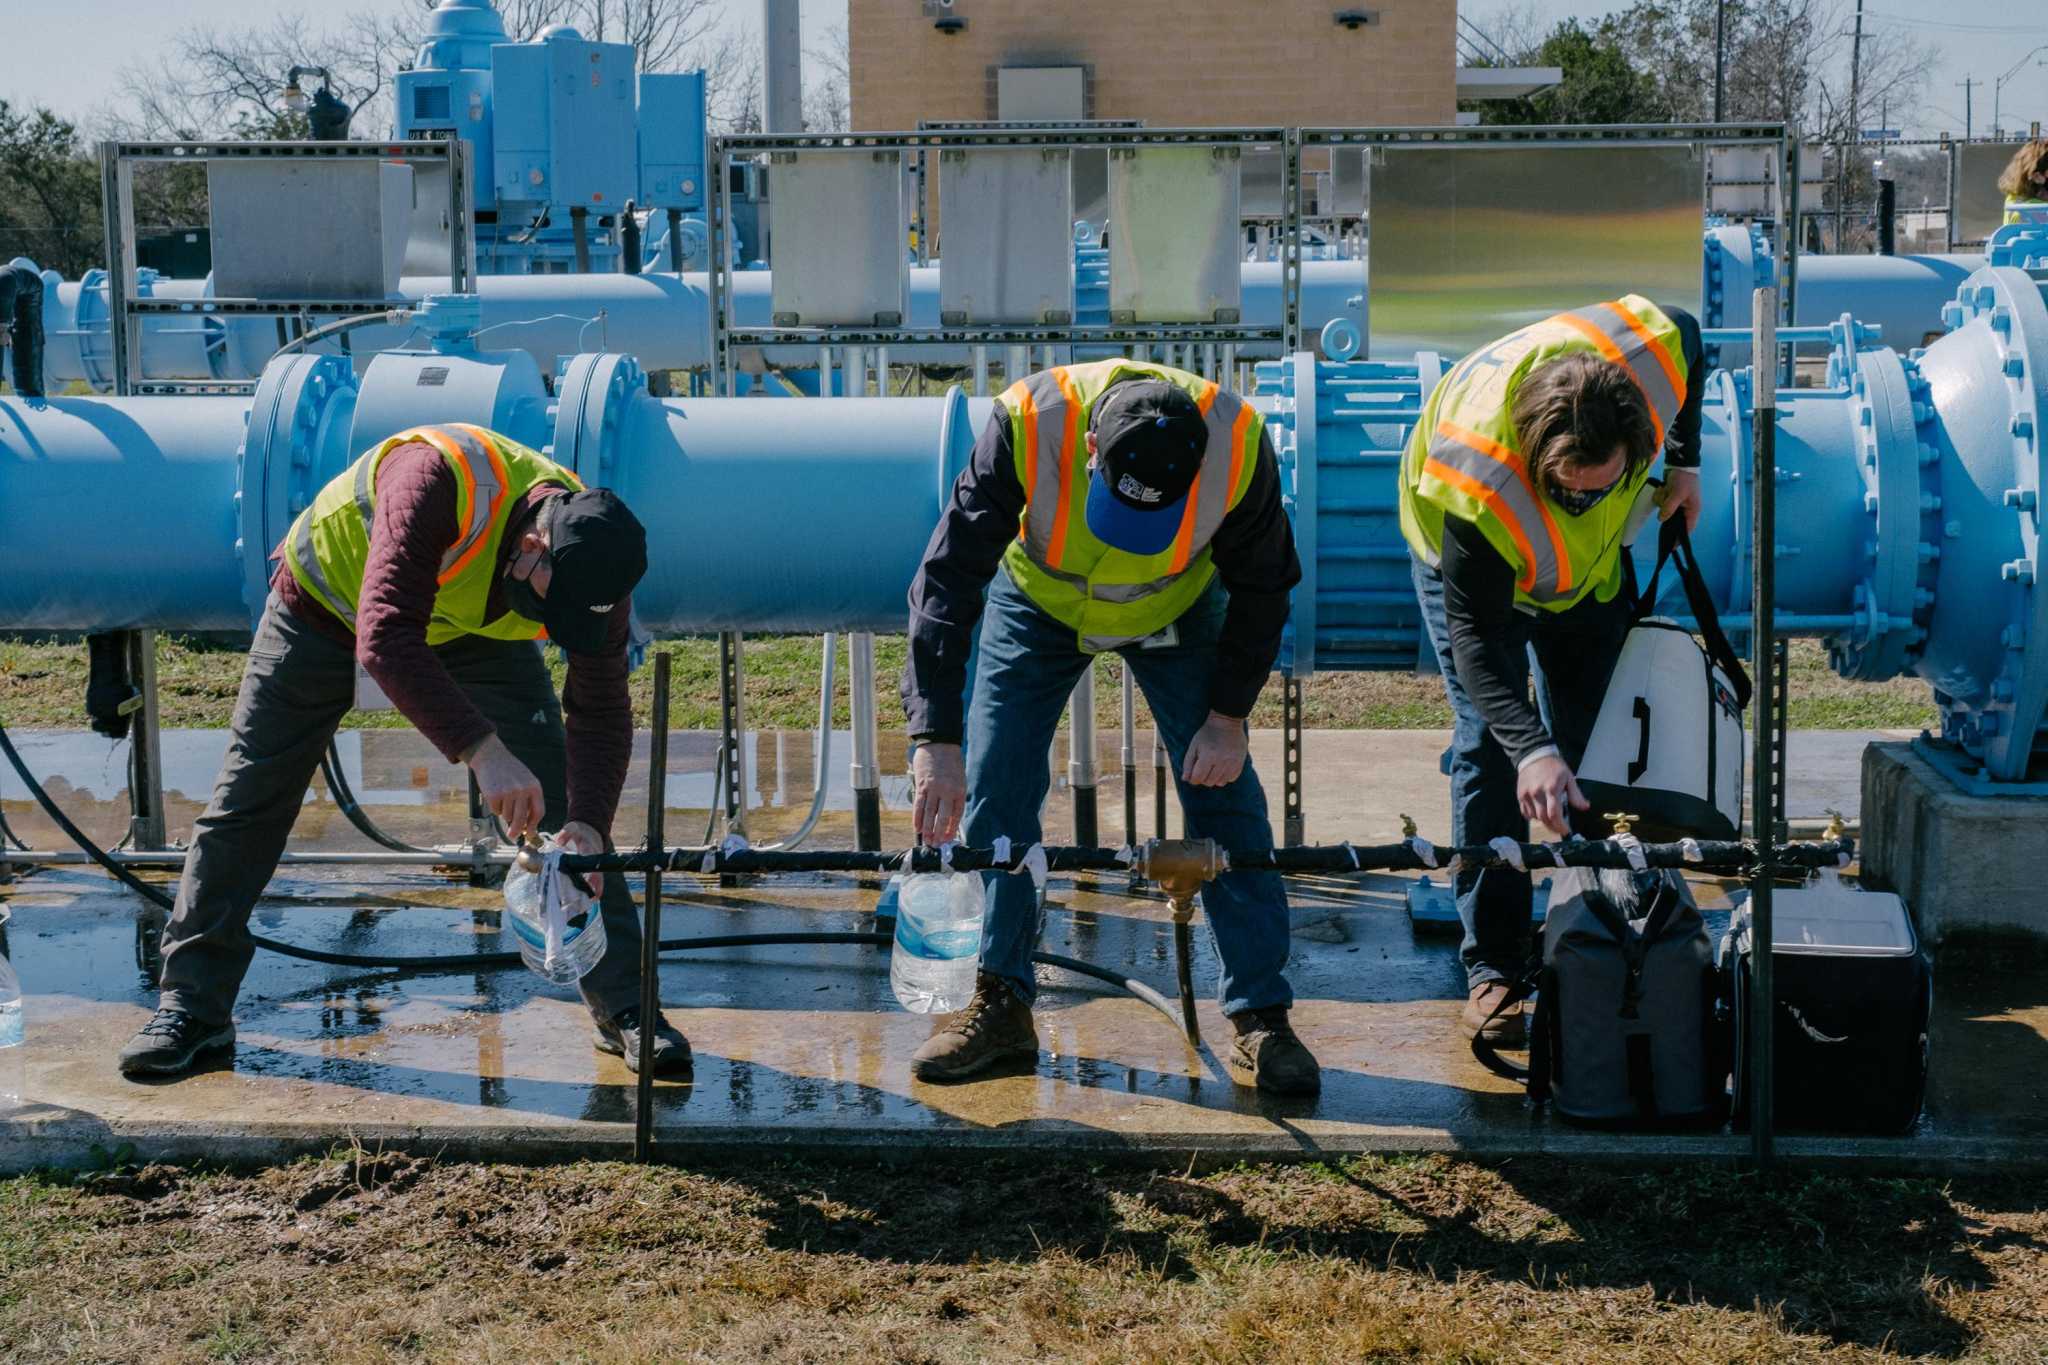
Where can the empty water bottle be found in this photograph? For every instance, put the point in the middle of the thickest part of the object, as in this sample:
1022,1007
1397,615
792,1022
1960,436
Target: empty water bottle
938,941
552,916
12,1068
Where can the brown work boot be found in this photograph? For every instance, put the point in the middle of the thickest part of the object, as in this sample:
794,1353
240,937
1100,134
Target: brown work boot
1267,1047
996,1025
1508,1029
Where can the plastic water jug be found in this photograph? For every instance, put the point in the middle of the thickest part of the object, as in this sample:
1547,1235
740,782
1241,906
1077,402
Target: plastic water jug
938,941
558,925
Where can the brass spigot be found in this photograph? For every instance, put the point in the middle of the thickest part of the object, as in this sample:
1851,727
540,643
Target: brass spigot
528,857
1409,829
1623,822
1180,866
1836,829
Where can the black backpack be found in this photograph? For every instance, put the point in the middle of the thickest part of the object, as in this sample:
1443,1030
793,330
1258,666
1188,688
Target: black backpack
1630,1027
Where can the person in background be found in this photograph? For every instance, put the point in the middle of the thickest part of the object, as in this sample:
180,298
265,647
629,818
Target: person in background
2025,184
436,561
1117,506
1516,491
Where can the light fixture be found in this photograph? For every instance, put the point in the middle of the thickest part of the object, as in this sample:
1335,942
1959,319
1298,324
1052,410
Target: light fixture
1355,19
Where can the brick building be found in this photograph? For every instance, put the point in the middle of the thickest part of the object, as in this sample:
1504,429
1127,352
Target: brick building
1167,62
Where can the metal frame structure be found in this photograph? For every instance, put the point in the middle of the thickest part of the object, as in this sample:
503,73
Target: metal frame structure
117,201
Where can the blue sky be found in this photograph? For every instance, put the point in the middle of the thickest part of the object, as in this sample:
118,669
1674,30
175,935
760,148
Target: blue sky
66,53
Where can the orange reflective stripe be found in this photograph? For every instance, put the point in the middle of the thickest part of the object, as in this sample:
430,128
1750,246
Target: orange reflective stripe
1493,449
1472,488
1206,399
1239,431
1650,344
1184,539
497,502
1070,454
1610,351
1027,409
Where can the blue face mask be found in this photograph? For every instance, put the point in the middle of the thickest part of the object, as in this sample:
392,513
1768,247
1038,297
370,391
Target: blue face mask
1576,502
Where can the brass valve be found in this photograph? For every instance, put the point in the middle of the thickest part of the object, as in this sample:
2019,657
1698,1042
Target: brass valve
1836,829
528,857
1409,829
1623,822
1180,866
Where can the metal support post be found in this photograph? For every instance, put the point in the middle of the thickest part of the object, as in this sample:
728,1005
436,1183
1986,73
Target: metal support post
483,835
1781,729
1016,363
855,372
1295,823
1128,755
146,831
980,370
650,928
881,372
1160,780
867,773
1081,758
1763,777
732,725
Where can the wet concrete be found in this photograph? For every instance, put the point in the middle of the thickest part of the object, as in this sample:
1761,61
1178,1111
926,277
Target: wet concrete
806,1048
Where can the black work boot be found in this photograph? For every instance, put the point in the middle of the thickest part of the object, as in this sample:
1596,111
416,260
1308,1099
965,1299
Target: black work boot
171,1042
996,1025
1266,1047
620,1036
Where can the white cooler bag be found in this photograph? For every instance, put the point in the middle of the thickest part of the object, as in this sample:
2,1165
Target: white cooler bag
1668,745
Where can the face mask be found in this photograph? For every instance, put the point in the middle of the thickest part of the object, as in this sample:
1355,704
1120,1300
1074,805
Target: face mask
523,600
1576,502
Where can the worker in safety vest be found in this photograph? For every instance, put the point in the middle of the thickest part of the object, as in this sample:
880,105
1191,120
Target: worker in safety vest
1516,491
1131,508
437,561
2025,184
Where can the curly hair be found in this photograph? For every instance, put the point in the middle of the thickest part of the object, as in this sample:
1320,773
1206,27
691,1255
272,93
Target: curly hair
2026,175
1576,410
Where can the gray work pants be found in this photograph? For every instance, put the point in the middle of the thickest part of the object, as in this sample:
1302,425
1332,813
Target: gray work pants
296,688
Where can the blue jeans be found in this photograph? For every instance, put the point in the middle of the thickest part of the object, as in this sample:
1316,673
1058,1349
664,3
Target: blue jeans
1573,653
1027,667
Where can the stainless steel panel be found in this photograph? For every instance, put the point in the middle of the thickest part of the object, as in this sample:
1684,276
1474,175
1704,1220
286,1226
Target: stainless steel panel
1008,252
1979,203
332,229
1347,181
841,238
1260,174
1470,243
1173,235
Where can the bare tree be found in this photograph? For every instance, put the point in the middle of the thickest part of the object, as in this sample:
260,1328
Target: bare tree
829,97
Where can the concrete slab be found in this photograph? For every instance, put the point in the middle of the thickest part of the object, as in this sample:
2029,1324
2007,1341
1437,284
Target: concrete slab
1961,862
806,1048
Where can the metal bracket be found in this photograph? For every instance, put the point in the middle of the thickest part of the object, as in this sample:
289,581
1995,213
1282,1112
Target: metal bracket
146,830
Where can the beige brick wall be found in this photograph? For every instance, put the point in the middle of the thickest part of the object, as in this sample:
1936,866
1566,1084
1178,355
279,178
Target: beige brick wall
1195,63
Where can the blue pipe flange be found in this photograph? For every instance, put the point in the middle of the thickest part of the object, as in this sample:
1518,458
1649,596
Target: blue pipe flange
1986,380
2023,246
280,464
591,396
1901,551
1296,431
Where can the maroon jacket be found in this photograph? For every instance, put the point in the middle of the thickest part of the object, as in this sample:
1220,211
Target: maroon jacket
415,525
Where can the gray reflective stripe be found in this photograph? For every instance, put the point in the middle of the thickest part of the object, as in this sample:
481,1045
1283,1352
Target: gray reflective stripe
1514,494
308,564
1611,320
488,490
1212,500
1041,510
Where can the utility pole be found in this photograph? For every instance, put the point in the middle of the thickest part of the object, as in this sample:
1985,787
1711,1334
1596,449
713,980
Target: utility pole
1720,57
1855,114
1968,85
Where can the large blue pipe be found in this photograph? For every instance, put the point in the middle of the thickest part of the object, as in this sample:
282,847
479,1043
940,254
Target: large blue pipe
1909,497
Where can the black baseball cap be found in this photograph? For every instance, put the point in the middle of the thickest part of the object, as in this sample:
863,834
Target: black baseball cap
597,552
1149,442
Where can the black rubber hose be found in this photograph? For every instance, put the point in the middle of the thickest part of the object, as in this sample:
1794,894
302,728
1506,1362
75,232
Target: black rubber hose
469,962
345,798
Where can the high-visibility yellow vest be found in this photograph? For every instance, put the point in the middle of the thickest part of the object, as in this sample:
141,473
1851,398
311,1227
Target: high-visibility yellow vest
1466,461
2026,211
328,547
1112,597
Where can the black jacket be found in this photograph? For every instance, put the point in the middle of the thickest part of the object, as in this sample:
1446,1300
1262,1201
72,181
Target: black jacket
1253,551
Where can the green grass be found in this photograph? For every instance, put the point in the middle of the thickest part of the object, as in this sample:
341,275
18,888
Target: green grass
381,1257
42,685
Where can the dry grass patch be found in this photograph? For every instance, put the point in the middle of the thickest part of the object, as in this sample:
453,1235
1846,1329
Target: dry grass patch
368,1258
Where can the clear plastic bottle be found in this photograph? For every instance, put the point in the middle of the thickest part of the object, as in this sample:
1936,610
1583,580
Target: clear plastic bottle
12,1068
558,926
938,941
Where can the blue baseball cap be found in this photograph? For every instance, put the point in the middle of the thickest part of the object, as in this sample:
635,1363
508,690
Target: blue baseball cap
1149,442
